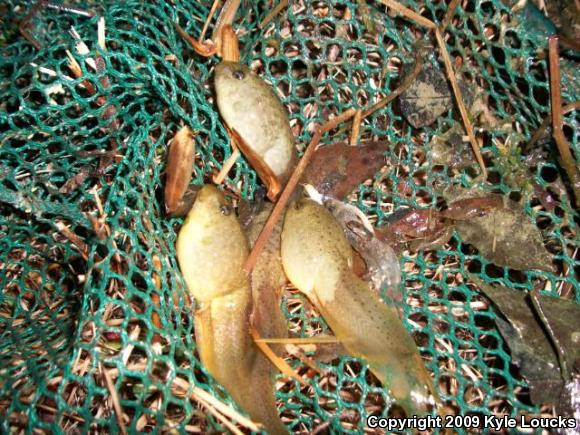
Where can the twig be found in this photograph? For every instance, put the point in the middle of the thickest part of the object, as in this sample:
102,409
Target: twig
198,393
400,89
133,335
206,49
414,16
214,7
228,164
156,340
223,420
449,15
546,122
214,406
74,239
557,131
280,364
459,100
226,16
296,352
289,189
409,13
281,5
114,399
52,410
355,128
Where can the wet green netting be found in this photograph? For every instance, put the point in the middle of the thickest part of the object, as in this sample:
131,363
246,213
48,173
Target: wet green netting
71,310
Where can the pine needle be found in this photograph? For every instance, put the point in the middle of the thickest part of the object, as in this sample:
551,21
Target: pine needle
280,364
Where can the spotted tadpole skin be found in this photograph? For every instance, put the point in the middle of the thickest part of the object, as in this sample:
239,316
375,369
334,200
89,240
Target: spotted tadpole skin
259,122
317,259
211,250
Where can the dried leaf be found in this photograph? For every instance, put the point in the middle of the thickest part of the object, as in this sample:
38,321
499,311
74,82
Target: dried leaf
186,202
506,237
179,166
563,317
533,349
268,281
428,97
335,170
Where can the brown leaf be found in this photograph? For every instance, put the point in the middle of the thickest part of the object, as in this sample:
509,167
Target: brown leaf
532,348
335,170
506,237
179,166
428,97
186,202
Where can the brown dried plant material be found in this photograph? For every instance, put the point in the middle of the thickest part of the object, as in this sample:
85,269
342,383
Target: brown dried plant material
179,169
469,208
506,237
215,45
503,234
452,153
356,123
82,247
335,170
76,180
541,333
230,48
277,9
226,17
428,97
206,48
119,414
279,362
212,11
568,161
268,280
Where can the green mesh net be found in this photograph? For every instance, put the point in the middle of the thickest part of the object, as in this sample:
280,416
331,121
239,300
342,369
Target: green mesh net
71,311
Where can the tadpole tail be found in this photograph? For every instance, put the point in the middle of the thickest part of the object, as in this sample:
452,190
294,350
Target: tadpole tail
227,351
257,397
371,330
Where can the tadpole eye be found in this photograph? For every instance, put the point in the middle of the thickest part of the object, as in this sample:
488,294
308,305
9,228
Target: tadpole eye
238,74
225,210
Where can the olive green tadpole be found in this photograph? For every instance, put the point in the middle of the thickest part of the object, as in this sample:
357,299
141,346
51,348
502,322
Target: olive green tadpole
259,123
317,259
211,250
